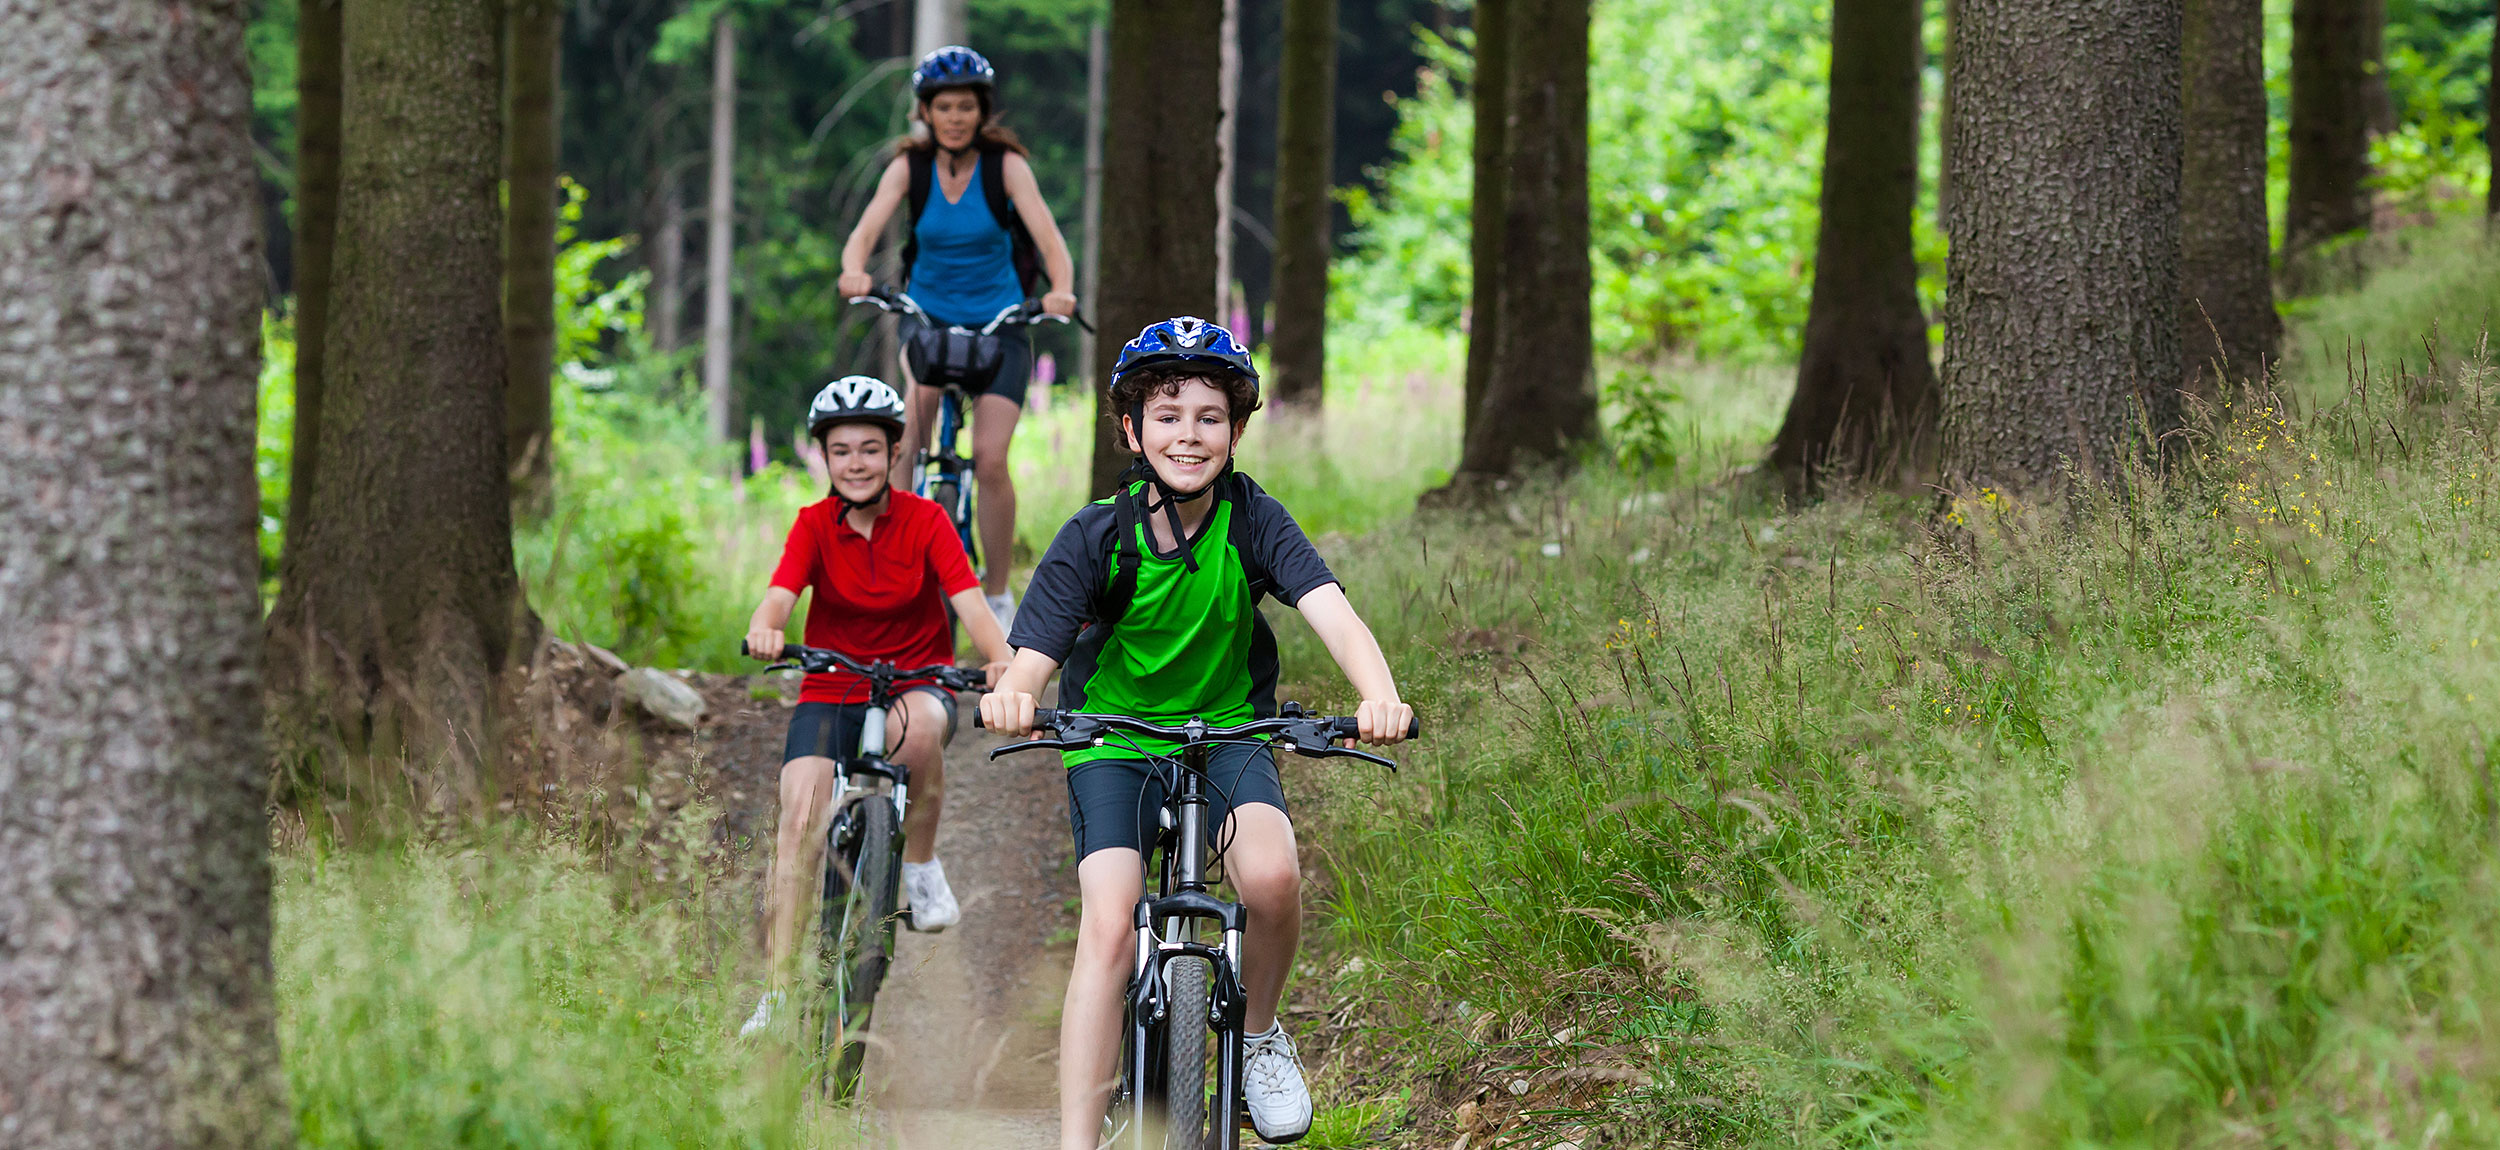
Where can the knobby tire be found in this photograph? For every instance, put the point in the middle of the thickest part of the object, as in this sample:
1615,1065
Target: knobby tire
856,934
1185,1033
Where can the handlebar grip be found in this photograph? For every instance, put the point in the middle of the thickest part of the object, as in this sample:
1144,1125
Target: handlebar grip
1345,727
1047,718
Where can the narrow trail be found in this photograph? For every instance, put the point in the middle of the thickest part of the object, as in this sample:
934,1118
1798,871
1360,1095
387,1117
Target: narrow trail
966,1031
964,1047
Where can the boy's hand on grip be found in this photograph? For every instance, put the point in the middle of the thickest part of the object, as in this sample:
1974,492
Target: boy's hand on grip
1008,712
1383,723
765,643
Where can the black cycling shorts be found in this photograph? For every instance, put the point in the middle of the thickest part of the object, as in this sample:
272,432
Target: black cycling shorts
831,730
1118,803
1015,360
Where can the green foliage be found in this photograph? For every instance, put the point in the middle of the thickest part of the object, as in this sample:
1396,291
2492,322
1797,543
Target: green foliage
514,994
2162,820
273,447
1705,141
1641,420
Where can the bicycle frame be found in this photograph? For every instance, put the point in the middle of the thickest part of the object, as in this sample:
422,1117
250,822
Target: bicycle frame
1167,918
947,465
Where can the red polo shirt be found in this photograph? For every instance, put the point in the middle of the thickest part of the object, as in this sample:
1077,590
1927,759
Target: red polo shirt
881,598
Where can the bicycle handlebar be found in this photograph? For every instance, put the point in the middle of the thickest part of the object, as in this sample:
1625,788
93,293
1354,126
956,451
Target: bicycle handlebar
1311,736
1027,313
820,660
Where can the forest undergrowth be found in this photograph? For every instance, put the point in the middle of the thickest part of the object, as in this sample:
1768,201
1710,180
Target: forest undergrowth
2161,817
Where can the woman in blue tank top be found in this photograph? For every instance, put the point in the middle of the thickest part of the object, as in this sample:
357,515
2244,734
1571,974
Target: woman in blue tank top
961,267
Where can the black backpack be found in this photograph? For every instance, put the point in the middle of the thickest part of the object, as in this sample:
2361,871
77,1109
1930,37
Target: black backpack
1128,511
1027,257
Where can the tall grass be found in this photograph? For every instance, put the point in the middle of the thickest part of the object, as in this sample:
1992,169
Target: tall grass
516,993
2164,817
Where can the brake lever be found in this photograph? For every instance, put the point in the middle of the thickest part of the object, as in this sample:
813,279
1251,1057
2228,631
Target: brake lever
1040,745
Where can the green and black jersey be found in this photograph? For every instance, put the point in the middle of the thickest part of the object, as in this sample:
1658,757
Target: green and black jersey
1179,643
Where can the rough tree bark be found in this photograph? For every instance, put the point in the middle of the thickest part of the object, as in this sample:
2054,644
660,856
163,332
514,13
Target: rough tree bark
2332,61
316,226
1865,404
2228,326
134,870
534,41
1540,396
1490,94
400,606
1158,180
1305,143
2062,287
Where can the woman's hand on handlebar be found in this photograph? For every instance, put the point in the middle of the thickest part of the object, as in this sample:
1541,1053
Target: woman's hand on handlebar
1059,303
1382,723
765,643
1008,713
856,284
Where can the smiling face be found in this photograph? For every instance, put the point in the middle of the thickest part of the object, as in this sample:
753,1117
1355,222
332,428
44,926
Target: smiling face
856,454
954,117
1188,435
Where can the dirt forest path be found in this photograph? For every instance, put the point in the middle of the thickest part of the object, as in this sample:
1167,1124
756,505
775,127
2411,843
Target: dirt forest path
965,1043
967,1026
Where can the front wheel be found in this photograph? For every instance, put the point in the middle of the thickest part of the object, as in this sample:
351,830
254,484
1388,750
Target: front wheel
856,935
1185,1054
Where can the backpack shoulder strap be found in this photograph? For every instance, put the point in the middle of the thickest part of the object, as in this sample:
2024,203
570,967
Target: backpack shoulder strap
1125,517
1026,254
923,174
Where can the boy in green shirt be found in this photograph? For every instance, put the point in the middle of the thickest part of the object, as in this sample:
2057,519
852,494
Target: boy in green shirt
1150,599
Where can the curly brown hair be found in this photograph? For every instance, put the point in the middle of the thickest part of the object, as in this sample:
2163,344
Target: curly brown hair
1131,391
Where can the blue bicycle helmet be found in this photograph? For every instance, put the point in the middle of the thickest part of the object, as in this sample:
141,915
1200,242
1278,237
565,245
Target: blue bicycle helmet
1186,339
953,66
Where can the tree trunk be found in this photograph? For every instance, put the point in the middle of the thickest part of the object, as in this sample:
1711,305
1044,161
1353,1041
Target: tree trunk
1158,180
668,270
2062,293
1490,94
2330,126
1865,405
1305,138
400,605
536,30
1540,398
134,870
316,227
720,228
2229,330
1228,158
1089,263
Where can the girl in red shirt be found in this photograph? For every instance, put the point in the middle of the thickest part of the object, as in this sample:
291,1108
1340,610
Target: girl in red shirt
883,565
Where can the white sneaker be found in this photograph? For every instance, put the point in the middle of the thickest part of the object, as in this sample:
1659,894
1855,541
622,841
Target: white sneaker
763,1016
932,902
1279,1104
1003,605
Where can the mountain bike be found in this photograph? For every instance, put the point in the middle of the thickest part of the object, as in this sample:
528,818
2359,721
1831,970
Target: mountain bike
863,865
966,369
1184,993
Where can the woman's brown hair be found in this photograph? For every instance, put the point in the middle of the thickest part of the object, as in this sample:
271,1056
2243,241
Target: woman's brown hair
993,136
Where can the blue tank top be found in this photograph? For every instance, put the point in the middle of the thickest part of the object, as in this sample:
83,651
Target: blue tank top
965,271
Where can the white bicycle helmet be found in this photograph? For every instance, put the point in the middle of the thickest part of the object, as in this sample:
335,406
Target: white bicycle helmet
856,399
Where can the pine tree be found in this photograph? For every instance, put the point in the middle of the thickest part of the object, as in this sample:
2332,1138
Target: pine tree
1305,138
316,227
1158,182
2229,329
1865,403
2062,293
534,35
134,856
399,606
1540,395
2334,57
1490,94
